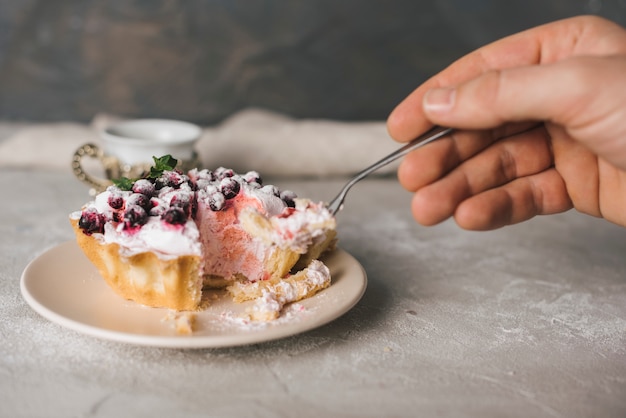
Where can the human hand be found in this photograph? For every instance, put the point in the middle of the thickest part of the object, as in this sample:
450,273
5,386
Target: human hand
541,128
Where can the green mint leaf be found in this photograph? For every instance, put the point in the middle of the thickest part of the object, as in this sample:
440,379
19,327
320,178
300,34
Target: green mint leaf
123,183
165,163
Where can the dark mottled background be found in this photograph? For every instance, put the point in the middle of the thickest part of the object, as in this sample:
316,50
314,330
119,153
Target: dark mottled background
201,60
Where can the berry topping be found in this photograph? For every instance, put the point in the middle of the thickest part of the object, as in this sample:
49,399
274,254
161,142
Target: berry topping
230,187
288,197
144,186
158,207
221,173
165,191
175,216
170,179
253,177
91,221
216,201
180,197
205,174
182,201
138,199
116,200
135,216
202,184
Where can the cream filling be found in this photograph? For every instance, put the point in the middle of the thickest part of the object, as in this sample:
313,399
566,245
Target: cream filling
167,241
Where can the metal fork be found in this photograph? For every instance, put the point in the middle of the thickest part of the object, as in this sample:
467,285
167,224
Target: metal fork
434,133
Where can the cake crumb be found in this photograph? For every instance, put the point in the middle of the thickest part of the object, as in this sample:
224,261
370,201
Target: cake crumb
183,322
271,296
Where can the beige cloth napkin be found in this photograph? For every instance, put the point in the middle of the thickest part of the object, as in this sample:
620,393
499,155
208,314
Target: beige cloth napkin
268,142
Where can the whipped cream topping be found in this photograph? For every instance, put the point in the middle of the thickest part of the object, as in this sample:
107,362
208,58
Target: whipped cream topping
167,241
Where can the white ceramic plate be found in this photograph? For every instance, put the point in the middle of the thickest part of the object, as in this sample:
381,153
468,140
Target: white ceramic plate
63,286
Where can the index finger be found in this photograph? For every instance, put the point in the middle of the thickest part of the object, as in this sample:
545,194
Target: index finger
587,35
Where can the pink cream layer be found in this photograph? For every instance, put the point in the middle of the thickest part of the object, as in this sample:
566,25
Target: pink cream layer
227,248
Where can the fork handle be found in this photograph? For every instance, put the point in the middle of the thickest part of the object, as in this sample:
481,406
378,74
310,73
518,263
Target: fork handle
431,135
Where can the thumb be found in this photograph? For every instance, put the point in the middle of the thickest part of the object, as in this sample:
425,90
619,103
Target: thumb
583,95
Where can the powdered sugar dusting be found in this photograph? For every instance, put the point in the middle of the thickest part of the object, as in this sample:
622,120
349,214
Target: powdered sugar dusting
229,319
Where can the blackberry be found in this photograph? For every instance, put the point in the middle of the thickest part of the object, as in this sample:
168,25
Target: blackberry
222,173
182,201
175,216
202,184
170,179
138,199
173,179
158,207
204,174
288,197
91,221
230,187
116,201
144,186
216,201
164,192
180,196
135,216
253,177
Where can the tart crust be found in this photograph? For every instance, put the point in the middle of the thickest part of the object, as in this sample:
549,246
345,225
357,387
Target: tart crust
145,278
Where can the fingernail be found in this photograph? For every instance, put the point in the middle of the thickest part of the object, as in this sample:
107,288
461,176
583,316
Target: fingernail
439,100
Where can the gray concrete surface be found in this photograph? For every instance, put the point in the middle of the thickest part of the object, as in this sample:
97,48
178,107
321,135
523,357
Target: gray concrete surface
526,321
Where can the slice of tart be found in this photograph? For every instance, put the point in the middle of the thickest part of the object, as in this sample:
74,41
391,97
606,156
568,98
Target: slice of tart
159,240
